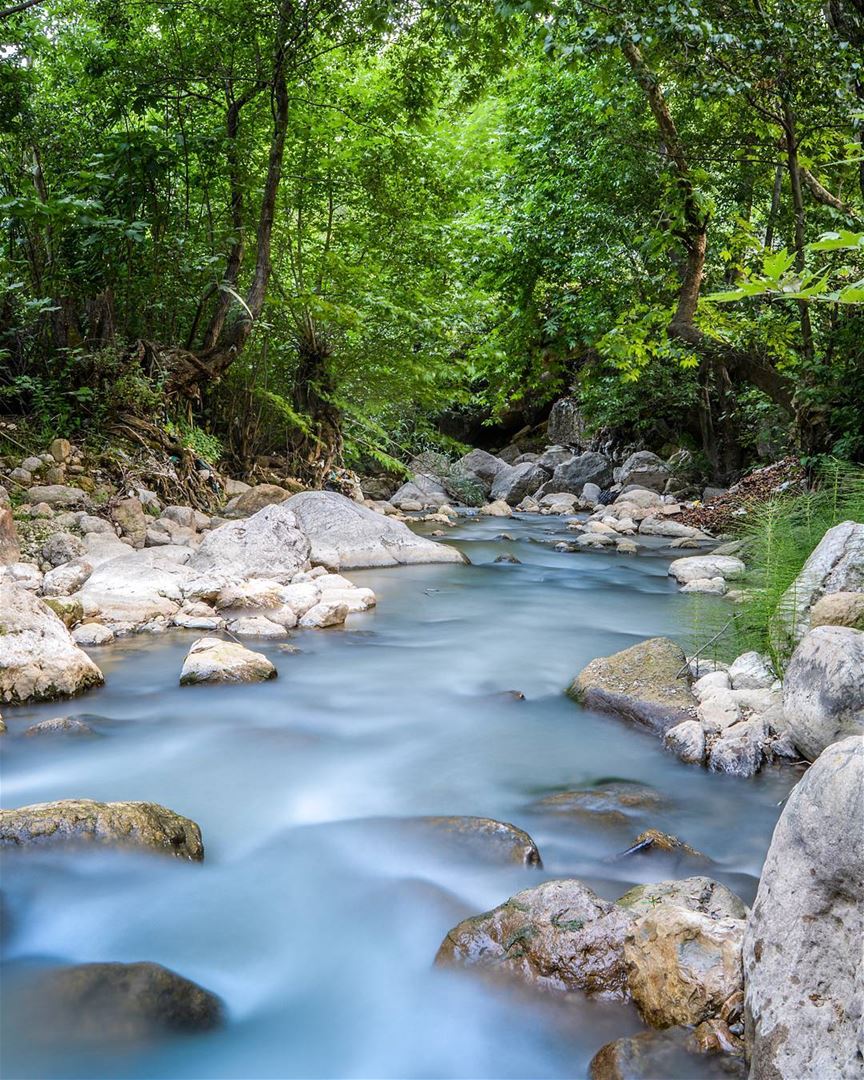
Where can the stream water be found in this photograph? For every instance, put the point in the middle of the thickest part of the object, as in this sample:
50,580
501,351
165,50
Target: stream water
317,924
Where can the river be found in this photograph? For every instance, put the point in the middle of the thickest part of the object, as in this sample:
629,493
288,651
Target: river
317,925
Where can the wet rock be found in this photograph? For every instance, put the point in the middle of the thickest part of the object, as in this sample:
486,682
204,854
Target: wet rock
559,935
687,741
699,894
255,626
739,750
802,952
345,535
496,841
59,497
38,658
10,550
644,683
515,482
839,609
129,516
626,547
252,500
653,840
673,1054
645,470
60,725
116,1002
611,803
212,660
270,544
823,689
507,558
83,822
706,566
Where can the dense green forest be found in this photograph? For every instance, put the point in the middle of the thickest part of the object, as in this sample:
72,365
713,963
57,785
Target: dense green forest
348,232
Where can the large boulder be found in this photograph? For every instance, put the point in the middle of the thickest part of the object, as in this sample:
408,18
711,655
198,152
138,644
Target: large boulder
59,497
559,935
652,1055
345,535
566,424
422,489
823,689
83,822
270,544
212,660
10,551
803,967
839,609
572,475
836,565
648,683
137,587
699,567
253,499
114,1002
514,482
645,470
38,658
484,466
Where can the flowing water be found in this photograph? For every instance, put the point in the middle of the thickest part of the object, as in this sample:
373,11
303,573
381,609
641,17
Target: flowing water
315,922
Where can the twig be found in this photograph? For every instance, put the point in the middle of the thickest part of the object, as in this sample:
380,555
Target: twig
695,655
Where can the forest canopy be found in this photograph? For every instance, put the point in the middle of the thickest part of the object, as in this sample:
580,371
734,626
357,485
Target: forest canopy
349,232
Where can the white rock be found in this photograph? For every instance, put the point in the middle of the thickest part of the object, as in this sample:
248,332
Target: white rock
256,626
66,579
651,526
25,575
134,589
715,585
687,741
708,684
269,544
499,508
706,566
751,671
354,599
326,612
211,659
300,596
91,634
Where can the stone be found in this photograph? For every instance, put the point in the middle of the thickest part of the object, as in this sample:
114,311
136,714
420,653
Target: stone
66,579
507,558
653,840
137,587
254,626
515,482
699,894
595,540
706,566
25,575
651,526
560,499
60,725
115,1003
254,499
591,494
835,565
10,550
626,547
559,936
62,548
212,660
573,475
424,490
687,741
33,465
39,661
565,425
613,803
69,610
739,750
92,634
804,976
128,515
708,684
482,465
343,535
715,586
553,456
823,689
493,841
836,609
20,477
499,508
751,671
60,450
60,497
644,469
652,1055
648,683
83,822
165,531
327,612
234,487
270,544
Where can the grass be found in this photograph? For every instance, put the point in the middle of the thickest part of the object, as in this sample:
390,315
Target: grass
779,535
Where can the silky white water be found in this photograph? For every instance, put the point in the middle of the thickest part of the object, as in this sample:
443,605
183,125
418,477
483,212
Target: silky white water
317,926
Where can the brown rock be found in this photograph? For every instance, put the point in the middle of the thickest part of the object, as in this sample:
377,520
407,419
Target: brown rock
615,803
129,515
60,450
10,550
255,499
653,1055
839,609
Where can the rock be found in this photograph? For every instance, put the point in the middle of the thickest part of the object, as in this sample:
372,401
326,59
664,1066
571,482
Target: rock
270,544
706,566
66,579
60,450
644,683
553,456
10,550
39,660
614,803
137,587
653,840
739,750
117,1003
33,465
249,502
499,508
644,469
560,499
424,490
652,1055
657,527
345,535
235,487
559,935
640,497
20,477
687,741
708,684
484,466
836,565
626,547
752,671
91,634
79,822
495,841
165,531
25,575
591,494
507,558
60,725
836,609
566,425
802,950
573,475
327,612
699,894
62,548
60,497
129,516
715,586
254,626
823,689
595,540
515,482
69,610
212,660
686,542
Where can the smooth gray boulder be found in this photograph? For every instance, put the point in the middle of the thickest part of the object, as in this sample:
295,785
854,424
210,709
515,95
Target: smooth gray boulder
573,475
137,587
514,482
39,660
59,497
484,466
644,469
823,689
270,544
803,970
344,535
424,489
835,565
